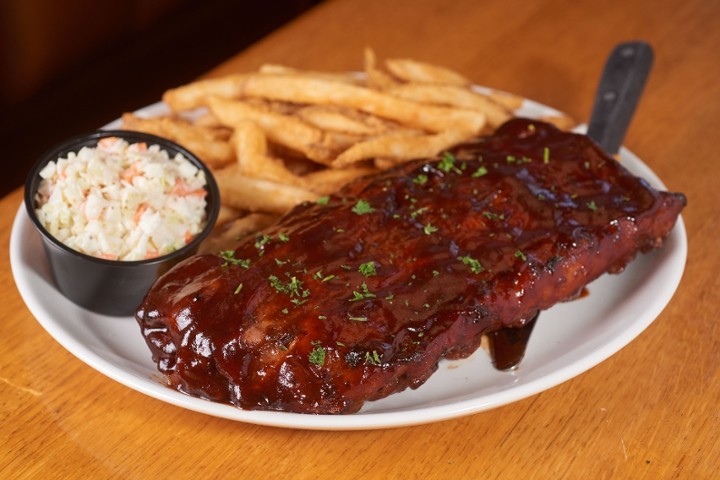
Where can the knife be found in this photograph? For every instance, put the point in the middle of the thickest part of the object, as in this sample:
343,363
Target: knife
621,85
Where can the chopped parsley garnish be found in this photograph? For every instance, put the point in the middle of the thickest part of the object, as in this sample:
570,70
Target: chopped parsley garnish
357,319
238,288
421,179
372,358
491,215
229,257
283,237
519,254
367,269
363,294
447,164
293,287
323,200
475,266
260,242
592,205
317,356
419,211
546,155
429,229
362,207
480,172
510,158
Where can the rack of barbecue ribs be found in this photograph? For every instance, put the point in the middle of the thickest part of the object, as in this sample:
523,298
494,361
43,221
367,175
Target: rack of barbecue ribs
361,294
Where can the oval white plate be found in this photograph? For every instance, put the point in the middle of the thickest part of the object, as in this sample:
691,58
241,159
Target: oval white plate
568,339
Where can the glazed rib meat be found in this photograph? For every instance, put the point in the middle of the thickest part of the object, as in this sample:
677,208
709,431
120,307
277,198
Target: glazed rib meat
354,298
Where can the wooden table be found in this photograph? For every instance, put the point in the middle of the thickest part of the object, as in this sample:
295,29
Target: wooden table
650,411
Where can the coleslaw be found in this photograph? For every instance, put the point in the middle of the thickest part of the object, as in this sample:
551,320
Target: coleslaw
122,201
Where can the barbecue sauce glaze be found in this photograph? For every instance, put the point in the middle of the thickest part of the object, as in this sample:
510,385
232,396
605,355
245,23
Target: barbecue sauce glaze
360,296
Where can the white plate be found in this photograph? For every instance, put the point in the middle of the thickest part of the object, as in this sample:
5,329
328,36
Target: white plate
567,340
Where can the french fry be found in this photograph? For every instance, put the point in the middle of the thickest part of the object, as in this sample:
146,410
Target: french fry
205,142
376,78
400,148
454,96
233,230
511,101
195,94
275,69
329,180
414,71
563,122
283,129
251,151
322,92
257,195
341,119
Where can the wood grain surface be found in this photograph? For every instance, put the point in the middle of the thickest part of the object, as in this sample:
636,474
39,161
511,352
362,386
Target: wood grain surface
650,411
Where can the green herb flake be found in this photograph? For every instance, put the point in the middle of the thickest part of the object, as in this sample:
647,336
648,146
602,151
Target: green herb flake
238,288
475,266
510,159
373,358
546,155
357,319
480,172
429,229
519,254
419,211
447,164
367,269
363,294
317,356
435,273
362,207
490,215
421,179
283,237
592,205
322,317
229,257
323,200
260,242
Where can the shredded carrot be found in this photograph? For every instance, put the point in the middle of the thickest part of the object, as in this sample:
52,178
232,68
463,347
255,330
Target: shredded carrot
181,189
139,212
131,172
108,256
107,142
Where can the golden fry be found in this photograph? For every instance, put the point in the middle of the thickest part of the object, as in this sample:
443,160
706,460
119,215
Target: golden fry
400,148
274,69
563,122
258,195
329,180
322,92
414,71
230,232
283,129
341,119
251,151
205,142
376,78
195,94
454,96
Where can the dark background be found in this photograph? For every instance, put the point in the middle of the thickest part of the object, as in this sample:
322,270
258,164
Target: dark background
123,72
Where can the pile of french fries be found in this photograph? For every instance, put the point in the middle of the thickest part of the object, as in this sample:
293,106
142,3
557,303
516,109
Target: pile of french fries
279,136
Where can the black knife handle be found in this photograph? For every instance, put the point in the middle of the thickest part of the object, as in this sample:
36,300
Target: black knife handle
622,82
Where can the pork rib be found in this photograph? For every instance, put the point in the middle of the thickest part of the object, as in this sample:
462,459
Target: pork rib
359,297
